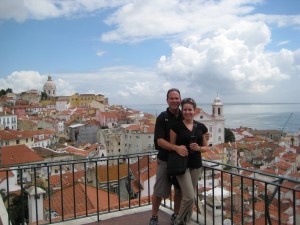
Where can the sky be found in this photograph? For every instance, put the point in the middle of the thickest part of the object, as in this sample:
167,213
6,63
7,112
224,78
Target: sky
133,51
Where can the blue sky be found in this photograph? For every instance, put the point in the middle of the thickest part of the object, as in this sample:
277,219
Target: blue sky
133,51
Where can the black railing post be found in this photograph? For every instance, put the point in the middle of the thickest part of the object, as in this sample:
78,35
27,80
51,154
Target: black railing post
222,197
231,198
213,195
61,193
242,198
253,202
22,197
139,179
49,194
85,189
204,191
97,190
74,191
108,185
119,191
35,197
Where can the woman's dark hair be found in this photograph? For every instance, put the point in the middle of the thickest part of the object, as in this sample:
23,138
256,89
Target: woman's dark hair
188,101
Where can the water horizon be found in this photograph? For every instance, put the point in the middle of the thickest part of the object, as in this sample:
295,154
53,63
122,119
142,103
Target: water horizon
260,116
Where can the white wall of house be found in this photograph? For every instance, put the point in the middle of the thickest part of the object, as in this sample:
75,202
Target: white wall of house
9,120
145,186
12,183
61,105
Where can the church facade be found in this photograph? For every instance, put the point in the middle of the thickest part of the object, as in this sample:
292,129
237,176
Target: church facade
215,122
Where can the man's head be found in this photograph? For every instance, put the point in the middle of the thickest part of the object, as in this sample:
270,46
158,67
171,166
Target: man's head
173,99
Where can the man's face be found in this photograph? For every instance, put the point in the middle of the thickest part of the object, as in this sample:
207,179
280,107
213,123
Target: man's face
174,100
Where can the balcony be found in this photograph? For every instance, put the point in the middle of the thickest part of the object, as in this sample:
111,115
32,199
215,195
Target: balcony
109,190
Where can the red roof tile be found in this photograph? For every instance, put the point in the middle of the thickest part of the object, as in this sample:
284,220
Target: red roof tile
18,154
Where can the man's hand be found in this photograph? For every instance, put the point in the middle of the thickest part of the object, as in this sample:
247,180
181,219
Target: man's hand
181,150
206,136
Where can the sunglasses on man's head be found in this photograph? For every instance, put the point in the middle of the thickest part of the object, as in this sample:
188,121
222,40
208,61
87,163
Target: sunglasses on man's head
188,100
173,89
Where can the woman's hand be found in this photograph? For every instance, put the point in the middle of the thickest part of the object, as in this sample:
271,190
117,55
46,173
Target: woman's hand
195,147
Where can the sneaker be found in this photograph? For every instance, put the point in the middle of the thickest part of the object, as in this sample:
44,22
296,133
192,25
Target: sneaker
153,221
173,218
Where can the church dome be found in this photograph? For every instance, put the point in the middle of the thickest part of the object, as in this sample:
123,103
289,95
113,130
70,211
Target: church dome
217,101
50,87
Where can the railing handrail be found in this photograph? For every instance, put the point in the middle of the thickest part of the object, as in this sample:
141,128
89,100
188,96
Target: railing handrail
248,170
136,195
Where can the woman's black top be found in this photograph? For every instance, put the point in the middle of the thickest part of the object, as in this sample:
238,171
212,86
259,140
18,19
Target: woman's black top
184,137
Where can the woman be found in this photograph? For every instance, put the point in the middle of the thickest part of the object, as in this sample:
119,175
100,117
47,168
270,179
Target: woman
189,133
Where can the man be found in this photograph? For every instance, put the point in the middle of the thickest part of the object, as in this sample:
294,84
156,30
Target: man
162,186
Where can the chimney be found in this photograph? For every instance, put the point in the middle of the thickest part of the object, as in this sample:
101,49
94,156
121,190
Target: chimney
35,203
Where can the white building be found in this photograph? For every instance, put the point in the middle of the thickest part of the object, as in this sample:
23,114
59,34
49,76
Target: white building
7,120
62,105
50,87
215,122
137,138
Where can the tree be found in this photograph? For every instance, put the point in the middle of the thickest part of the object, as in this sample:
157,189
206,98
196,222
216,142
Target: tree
2,92
44,95
229,136
9,90
18,211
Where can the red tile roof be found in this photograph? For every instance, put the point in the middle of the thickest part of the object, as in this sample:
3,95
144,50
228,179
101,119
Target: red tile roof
113,172
3,174
67,179
142,168
18,154
85,200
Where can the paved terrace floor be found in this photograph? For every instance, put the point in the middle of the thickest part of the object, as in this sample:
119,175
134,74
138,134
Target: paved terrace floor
137,216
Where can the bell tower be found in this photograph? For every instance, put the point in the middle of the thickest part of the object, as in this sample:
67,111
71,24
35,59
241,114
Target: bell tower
217,108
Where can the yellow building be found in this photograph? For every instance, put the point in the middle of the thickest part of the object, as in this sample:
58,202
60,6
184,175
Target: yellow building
83,100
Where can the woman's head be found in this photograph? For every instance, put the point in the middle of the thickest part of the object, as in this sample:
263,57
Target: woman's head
188,101
188,106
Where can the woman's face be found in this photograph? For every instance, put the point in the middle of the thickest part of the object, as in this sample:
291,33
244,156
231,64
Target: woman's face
188,111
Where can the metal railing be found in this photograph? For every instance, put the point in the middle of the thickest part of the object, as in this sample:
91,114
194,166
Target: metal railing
52,192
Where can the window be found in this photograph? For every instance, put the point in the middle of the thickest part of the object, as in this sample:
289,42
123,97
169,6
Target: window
17,142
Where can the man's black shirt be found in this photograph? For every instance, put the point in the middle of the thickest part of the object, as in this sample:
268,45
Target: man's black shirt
164,122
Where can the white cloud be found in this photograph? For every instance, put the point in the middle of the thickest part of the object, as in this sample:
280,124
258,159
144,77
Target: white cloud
120,84
283,43
45,9
100,53
232,60
139,20
64,87
20,81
